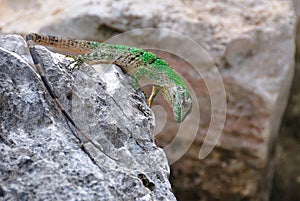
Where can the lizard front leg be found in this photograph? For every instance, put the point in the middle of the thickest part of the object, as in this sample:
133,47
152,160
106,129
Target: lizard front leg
146,72
155,90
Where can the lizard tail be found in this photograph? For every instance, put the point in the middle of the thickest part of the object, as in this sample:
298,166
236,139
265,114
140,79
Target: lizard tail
69,45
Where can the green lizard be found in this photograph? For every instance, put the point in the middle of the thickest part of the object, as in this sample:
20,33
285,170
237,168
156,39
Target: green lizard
134,61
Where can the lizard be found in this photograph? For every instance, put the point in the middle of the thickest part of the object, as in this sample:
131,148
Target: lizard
134,61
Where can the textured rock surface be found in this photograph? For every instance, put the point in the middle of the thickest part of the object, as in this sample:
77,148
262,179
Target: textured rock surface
252,44
40,158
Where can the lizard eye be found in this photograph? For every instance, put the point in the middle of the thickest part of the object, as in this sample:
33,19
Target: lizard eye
180,88
174,92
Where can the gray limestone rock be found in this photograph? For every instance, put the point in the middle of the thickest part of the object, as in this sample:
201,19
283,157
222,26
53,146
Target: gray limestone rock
40,157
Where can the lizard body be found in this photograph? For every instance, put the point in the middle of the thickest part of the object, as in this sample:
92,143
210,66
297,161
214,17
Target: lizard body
136,62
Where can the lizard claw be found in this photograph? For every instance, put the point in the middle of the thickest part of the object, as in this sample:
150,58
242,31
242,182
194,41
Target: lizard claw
149,102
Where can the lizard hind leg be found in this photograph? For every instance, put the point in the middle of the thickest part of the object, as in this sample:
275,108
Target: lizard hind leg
75,63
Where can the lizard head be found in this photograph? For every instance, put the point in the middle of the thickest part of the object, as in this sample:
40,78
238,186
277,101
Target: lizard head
180,100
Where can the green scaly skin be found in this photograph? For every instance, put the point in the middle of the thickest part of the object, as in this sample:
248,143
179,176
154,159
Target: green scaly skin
134,61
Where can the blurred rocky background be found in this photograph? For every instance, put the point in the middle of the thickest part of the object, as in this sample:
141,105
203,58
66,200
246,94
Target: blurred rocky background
252,43
287,172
